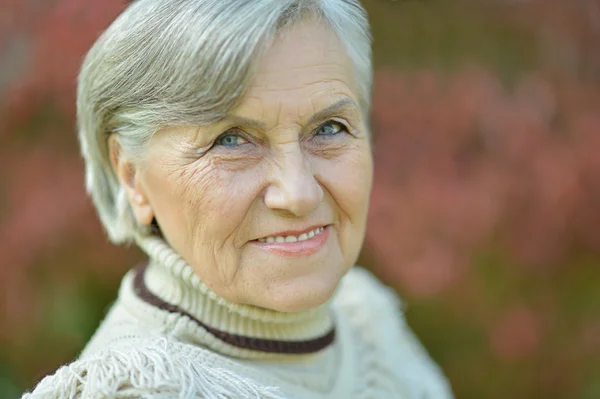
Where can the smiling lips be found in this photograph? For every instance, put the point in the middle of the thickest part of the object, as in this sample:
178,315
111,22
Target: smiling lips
302,244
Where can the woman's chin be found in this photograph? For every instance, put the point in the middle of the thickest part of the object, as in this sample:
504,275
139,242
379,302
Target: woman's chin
299,294
300,304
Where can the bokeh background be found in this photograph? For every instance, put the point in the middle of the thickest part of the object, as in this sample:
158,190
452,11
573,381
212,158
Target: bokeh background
485,211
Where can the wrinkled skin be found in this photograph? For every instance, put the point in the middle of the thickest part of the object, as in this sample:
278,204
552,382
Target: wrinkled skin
268,167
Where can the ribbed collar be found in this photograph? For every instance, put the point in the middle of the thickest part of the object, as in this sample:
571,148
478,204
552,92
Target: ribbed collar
243,331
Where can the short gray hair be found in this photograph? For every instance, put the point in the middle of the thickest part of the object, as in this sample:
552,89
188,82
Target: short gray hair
185,62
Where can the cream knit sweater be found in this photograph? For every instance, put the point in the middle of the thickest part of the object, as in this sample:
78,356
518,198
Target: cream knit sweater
169,336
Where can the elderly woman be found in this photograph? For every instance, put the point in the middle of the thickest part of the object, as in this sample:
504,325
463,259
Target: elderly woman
228,139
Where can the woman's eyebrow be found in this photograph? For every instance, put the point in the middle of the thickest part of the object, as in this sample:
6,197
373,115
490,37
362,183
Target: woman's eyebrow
337,107
344,104
247,122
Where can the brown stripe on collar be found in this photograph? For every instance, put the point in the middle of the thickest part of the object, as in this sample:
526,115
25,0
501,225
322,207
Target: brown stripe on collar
240,341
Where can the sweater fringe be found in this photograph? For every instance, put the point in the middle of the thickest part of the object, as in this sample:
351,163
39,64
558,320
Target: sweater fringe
147,369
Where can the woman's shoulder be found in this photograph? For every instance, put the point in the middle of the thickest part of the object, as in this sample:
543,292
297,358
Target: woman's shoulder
376,314
149,367
371,307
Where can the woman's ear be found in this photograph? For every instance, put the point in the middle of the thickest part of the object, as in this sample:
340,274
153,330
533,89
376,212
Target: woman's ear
129,177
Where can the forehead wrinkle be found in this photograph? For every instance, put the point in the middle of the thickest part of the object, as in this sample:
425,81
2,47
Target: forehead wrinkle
276,86
268,103
280,113
321,66
344,104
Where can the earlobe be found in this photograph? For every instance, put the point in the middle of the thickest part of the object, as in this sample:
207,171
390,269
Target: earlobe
128,177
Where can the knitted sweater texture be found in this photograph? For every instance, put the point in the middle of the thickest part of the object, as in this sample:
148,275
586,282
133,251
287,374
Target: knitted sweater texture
169,336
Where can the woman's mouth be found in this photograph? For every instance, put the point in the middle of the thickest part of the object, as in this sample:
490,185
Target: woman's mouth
303,244
292,238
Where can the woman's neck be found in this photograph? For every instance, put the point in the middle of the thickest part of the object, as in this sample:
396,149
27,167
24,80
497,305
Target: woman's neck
243,331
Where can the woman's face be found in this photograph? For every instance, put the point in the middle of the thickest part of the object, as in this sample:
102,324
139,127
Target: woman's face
269,205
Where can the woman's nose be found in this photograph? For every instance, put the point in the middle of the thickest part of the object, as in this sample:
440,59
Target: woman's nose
294,188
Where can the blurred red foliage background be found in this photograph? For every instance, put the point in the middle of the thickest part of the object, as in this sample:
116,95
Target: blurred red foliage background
484,214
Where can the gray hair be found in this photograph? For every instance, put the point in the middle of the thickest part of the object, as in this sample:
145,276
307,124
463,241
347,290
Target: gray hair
185,62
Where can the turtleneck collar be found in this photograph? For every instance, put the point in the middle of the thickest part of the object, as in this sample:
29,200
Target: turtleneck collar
238,330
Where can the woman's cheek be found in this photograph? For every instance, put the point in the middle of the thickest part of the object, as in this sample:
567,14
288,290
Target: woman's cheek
227,195
348,177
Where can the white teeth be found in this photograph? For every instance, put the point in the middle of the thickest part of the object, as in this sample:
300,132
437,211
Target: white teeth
301,237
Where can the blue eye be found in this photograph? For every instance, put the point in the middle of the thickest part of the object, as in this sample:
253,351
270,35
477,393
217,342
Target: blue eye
330,128
230,140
